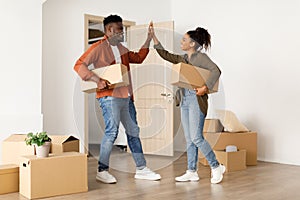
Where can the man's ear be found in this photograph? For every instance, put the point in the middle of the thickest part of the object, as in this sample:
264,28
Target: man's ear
108,28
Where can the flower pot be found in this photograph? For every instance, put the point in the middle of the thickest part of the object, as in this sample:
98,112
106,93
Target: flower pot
43,151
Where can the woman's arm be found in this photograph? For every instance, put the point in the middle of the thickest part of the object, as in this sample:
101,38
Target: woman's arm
205,62
173,58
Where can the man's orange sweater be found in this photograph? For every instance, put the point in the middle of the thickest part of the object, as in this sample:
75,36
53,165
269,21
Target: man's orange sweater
100,55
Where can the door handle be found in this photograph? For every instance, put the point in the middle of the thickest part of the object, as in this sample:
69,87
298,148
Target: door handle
165,94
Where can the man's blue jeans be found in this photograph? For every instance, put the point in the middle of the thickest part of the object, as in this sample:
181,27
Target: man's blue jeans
193,121
114,111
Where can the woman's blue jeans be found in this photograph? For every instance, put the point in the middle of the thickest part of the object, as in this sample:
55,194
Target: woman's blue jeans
193,121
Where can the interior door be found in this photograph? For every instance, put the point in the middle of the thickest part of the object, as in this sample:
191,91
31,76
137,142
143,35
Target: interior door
153,94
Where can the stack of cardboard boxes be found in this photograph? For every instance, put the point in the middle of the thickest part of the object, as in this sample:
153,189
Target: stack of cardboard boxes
63,172
246,142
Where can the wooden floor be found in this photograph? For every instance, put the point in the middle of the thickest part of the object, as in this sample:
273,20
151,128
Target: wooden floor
264,181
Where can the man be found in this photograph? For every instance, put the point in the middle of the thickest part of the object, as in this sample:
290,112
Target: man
116,104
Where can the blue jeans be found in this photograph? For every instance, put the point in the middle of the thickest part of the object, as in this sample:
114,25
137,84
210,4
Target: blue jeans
114,111
193,121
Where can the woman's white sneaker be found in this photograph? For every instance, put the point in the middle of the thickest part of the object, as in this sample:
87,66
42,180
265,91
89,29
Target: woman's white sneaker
188,176
146,174
105,177
217,174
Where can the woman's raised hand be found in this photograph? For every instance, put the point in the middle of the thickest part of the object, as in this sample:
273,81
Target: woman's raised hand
152,32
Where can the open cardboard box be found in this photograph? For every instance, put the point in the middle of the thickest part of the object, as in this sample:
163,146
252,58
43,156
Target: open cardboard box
63,143
244,140
233,161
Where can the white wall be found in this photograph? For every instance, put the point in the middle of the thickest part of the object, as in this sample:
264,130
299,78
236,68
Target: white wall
63,44
256,45
21,44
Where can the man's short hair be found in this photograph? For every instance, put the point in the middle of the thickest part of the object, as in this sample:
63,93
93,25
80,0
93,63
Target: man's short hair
112,19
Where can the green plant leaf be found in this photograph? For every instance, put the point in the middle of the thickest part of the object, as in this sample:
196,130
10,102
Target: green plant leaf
39,138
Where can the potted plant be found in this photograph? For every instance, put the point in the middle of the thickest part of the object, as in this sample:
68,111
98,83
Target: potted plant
41,142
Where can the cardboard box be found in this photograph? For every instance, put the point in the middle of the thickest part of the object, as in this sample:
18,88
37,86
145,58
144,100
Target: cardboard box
9,178
188,76
212,126
233,161
245,140
61,174
63,143
116,74
14,147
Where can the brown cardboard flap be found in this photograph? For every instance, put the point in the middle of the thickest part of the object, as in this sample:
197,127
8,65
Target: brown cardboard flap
60,139
16,138
64,143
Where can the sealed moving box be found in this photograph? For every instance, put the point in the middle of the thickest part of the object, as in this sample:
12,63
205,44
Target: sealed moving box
61,174
233,161
212,126
245,140
14,147
9,178
116,74
188,76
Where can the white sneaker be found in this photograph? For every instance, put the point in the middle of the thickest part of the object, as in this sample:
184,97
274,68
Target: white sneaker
217,174
105,177
188,176
146,174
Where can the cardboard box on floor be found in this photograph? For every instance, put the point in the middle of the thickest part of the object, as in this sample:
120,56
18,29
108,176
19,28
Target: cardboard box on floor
212,126
188,76
245,140
116,74
14,147
233,161
9,179
60,174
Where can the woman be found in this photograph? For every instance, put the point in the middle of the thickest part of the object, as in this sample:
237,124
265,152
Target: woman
194,103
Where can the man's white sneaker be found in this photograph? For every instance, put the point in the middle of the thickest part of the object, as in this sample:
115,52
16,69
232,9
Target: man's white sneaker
188,176
105,177
146,174
217,174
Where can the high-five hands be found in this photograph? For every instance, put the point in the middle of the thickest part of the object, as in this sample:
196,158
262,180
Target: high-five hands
149,36
152,32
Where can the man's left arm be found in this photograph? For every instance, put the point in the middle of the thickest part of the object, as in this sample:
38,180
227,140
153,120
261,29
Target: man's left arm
139,57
